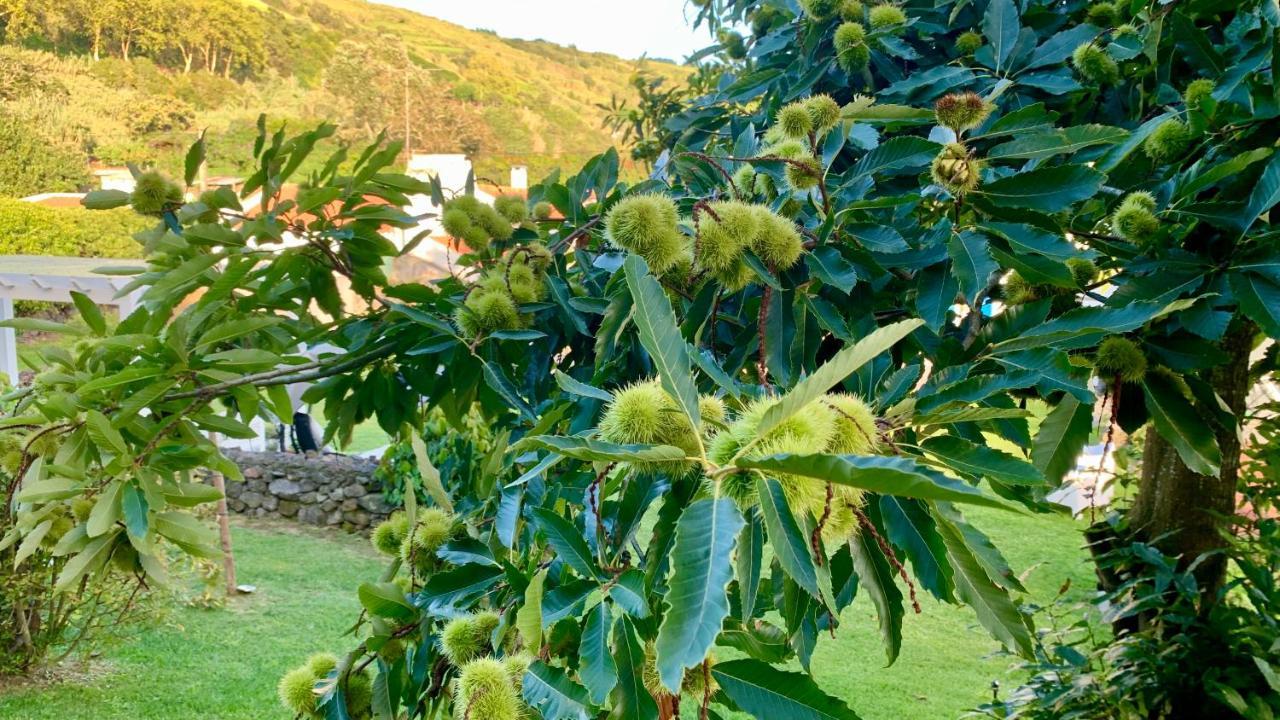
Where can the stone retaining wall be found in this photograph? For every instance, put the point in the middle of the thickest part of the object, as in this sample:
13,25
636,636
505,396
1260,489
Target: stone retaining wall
327,490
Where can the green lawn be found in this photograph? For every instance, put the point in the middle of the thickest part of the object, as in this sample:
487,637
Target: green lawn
224,664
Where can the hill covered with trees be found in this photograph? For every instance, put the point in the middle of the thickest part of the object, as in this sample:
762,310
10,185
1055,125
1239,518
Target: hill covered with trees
119,81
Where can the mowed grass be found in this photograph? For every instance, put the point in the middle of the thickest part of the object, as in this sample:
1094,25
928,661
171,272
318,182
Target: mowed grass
223,664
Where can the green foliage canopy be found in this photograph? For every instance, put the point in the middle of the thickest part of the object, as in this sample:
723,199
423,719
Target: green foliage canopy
910,232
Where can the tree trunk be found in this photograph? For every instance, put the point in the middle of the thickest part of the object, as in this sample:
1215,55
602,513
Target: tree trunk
224,528
1187,507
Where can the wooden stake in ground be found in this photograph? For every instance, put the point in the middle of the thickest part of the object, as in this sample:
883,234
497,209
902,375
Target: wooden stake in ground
224,528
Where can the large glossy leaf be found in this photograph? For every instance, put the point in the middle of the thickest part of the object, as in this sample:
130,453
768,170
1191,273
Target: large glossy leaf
982,461
1062,436
1048,189
581,448
995,609
899,152
748,564
769,693
529,617
789,540
1000,25
911,529
936,290
571,548
554,695
1088,323
660,334
1265,195
697,601
886,475
835,370
1259,298
971,262
597,668
1064,141
632,701
1177,421
875,579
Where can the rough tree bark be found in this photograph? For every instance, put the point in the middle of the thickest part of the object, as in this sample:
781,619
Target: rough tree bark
1188,508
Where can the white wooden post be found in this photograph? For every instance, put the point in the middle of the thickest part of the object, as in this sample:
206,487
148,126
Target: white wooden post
8,343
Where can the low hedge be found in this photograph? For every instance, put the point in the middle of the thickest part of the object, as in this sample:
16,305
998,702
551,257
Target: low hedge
30,229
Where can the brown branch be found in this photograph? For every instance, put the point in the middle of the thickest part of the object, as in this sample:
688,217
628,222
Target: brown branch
762,368
816,538
870,527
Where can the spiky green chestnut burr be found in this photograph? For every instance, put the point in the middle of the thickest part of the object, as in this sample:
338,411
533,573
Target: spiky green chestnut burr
1135,220
1095,65
968,42
1083,271
886,16
723,231
794,120
819,9
516,666
434,528
962,111
778,242
155,194
389,535
296,691
734,46
808,431
484,690
471,638
1197,91
512,208
486,312
1017,291
524,284
957,170
542,210
1103,14
851,10
1120,357
646,224
1168,142
824,111
854,431
643,413
736,277
852,52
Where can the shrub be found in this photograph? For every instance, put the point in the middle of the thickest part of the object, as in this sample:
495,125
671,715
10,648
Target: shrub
30,164
30,229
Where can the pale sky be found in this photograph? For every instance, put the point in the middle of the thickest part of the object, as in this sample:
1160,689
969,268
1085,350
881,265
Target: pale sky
627,28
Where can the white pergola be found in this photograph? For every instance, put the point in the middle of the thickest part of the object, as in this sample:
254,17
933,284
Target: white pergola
42,277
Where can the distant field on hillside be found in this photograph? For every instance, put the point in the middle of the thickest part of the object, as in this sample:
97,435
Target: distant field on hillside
502,101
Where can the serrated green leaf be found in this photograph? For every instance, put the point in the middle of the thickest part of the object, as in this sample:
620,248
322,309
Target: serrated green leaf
567,542
556,697
529,616
697,599
767,692
1177,421
1062,435
886,475
597,669
660,336
835,370
581,448
996,611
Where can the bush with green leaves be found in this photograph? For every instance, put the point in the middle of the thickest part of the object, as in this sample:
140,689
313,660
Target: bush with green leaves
32,229
31,164
791,343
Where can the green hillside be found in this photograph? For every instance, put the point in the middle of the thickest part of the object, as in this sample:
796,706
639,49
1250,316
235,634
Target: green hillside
167,69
